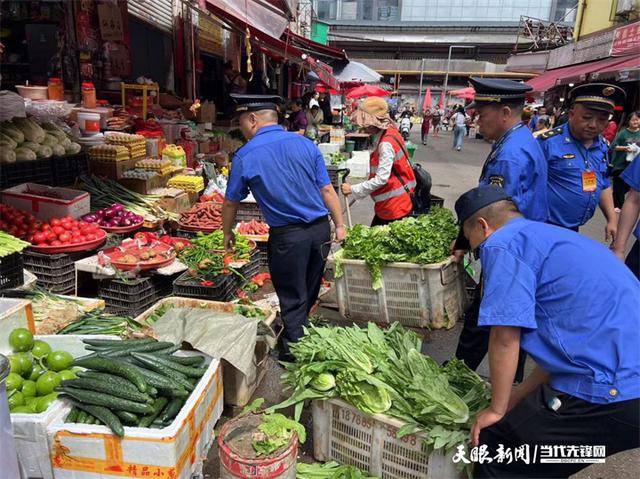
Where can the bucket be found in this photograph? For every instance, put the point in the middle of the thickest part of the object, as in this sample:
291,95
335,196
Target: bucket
89,122
8,455
349,146
235,466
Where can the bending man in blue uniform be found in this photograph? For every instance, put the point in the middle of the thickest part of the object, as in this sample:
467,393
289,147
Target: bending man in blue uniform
577,158
288,178
629,219
573,307
516,164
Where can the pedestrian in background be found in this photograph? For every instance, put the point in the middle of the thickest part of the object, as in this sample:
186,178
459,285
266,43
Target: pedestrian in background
298,116
435,122
426,124
459,122
541,127
621,157
526,116
610,131
577,159
325,106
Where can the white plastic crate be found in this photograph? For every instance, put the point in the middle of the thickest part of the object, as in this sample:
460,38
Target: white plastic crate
81,451
359,164
327,148
343,433
415,295
29,430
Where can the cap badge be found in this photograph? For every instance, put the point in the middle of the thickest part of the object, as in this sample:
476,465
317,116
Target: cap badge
608,91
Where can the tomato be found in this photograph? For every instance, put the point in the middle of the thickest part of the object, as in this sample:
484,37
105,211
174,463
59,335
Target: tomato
47,382
90,237
51,236
30,239
45,401
56,243
15,399
64,237
14,381
82,239
66,374
23,362
28,388
36,372
40,349
20,340
58,230
22,233
55,222
40,237
68,218
42,244
59,360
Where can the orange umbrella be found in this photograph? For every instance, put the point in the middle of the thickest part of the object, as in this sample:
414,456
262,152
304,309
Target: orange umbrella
366,90
465,93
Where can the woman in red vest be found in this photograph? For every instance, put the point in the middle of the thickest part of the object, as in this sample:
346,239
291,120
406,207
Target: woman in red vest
391,179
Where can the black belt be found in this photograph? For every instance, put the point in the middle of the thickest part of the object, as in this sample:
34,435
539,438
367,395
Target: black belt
284,229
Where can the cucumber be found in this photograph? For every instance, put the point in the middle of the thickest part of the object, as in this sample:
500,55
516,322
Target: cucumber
107,417
185,360
119,368
155,379
128,418
171,411
82,417
116,343
120,382
157,424
72,416
172,374
105,386
158,406
186,370
90,419
173,392
102,399
146,347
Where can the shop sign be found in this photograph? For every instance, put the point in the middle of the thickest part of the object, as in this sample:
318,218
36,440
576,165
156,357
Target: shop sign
626,40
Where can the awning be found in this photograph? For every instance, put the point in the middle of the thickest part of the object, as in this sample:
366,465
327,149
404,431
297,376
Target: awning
252,14
323,71
314,48
625,71
578,73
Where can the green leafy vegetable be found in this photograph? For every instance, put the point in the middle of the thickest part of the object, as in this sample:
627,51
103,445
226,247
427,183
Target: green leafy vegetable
275,432
329,470
423,240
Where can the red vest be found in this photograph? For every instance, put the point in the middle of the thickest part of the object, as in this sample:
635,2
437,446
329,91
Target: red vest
391,200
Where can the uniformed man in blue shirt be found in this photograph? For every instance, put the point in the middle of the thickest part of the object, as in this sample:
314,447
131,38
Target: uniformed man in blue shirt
629,219
573,307
287,176
515,163
577,158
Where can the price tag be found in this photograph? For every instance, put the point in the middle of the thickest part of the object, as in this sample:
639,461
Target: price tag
589,181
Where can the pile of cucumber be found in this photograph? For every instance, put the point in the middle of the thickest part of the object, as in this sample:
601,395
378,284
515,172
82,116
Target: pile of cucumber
135,382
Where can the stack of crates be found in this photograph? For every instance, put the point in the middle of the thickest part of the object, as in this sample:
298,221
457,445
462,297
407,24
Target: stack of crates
132,297
249,210
55,272
11,275
223,288
250,269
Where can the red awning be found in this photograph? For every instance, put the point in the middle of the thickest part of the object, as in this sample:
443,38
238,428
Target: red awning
579,73
314,48
618,71
323,71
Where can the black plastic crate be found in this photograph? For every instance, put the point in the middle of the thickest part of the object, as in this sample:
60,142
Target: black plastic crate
335,174
130,287
44,274
11,274
122,304
37,171
262,253
223,288
250,269
248,211
67,168
50,261
64,286
185,234
437,201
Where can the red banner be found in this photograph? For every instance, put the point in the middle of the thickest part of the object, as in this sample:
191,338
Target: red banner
626,40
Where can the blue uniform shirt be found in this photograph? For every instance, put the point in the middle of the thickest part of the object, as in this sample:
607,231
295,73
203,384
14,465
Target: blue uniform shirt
567,158
631,176
516,163
576,303
285,172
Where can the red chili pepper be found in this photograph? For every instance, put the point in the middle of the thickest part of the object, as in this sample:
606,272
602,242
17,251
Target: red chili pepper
261,278
206,283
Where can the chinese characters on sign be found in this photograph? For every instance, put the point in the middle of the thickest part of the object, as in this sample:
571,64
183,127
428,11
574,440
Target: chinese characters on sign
531,454
626,40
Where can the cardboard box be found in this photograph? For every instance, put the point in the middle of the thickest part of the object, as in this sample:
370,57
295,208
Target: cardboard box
205,114
204,147
144,186
111,169
174,199
46,202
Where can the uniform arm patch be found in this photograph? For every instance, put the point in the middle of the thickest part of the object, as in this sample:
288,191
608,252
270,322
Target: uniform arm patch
497,180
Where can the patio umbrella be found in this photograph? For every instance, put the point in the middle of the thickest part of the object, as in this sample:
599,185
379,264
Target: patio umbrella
366,90
465,93
356,72
427,100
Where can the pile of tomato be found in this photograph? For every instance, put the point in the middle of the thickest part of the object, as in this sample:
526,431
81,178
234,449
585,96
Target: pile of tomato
64,232
17,223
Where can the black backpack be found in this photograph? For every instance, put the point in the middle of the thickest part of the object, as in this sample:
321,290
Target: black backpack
421,196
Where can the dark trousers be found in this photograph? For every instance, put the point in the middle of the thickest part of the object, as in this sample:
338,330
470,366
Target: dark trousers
473,343
620,189
633,259
377,221
575,423
297,256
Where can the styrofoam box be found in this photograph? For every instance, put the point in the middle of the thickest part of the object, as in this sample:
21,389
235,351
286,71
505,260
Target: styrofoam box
29,430
62,202
14,313
359,164
416,295
328,148
343,433
81,451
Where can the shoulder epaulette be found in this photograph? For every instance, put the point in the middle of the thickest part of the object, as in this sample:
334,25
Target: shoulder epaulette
549,133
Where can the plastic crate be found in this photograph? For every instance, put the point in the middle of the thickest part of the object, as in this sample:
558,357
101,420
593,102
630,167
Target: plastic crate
437,201
335,174
250,269
420,296
129,308
248,211
50,261
263,253
223,288
37,171
185,234
67,168
343,433
11,275
64,286
132,287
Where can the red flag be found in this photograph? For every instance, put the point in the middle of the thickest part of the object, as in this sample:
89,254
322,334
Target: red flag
427,100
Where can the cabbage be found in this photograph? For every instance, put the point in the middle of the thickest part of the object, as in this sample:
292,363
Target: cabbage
30,130
323,382
50,139
7,155
58,150
72,148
